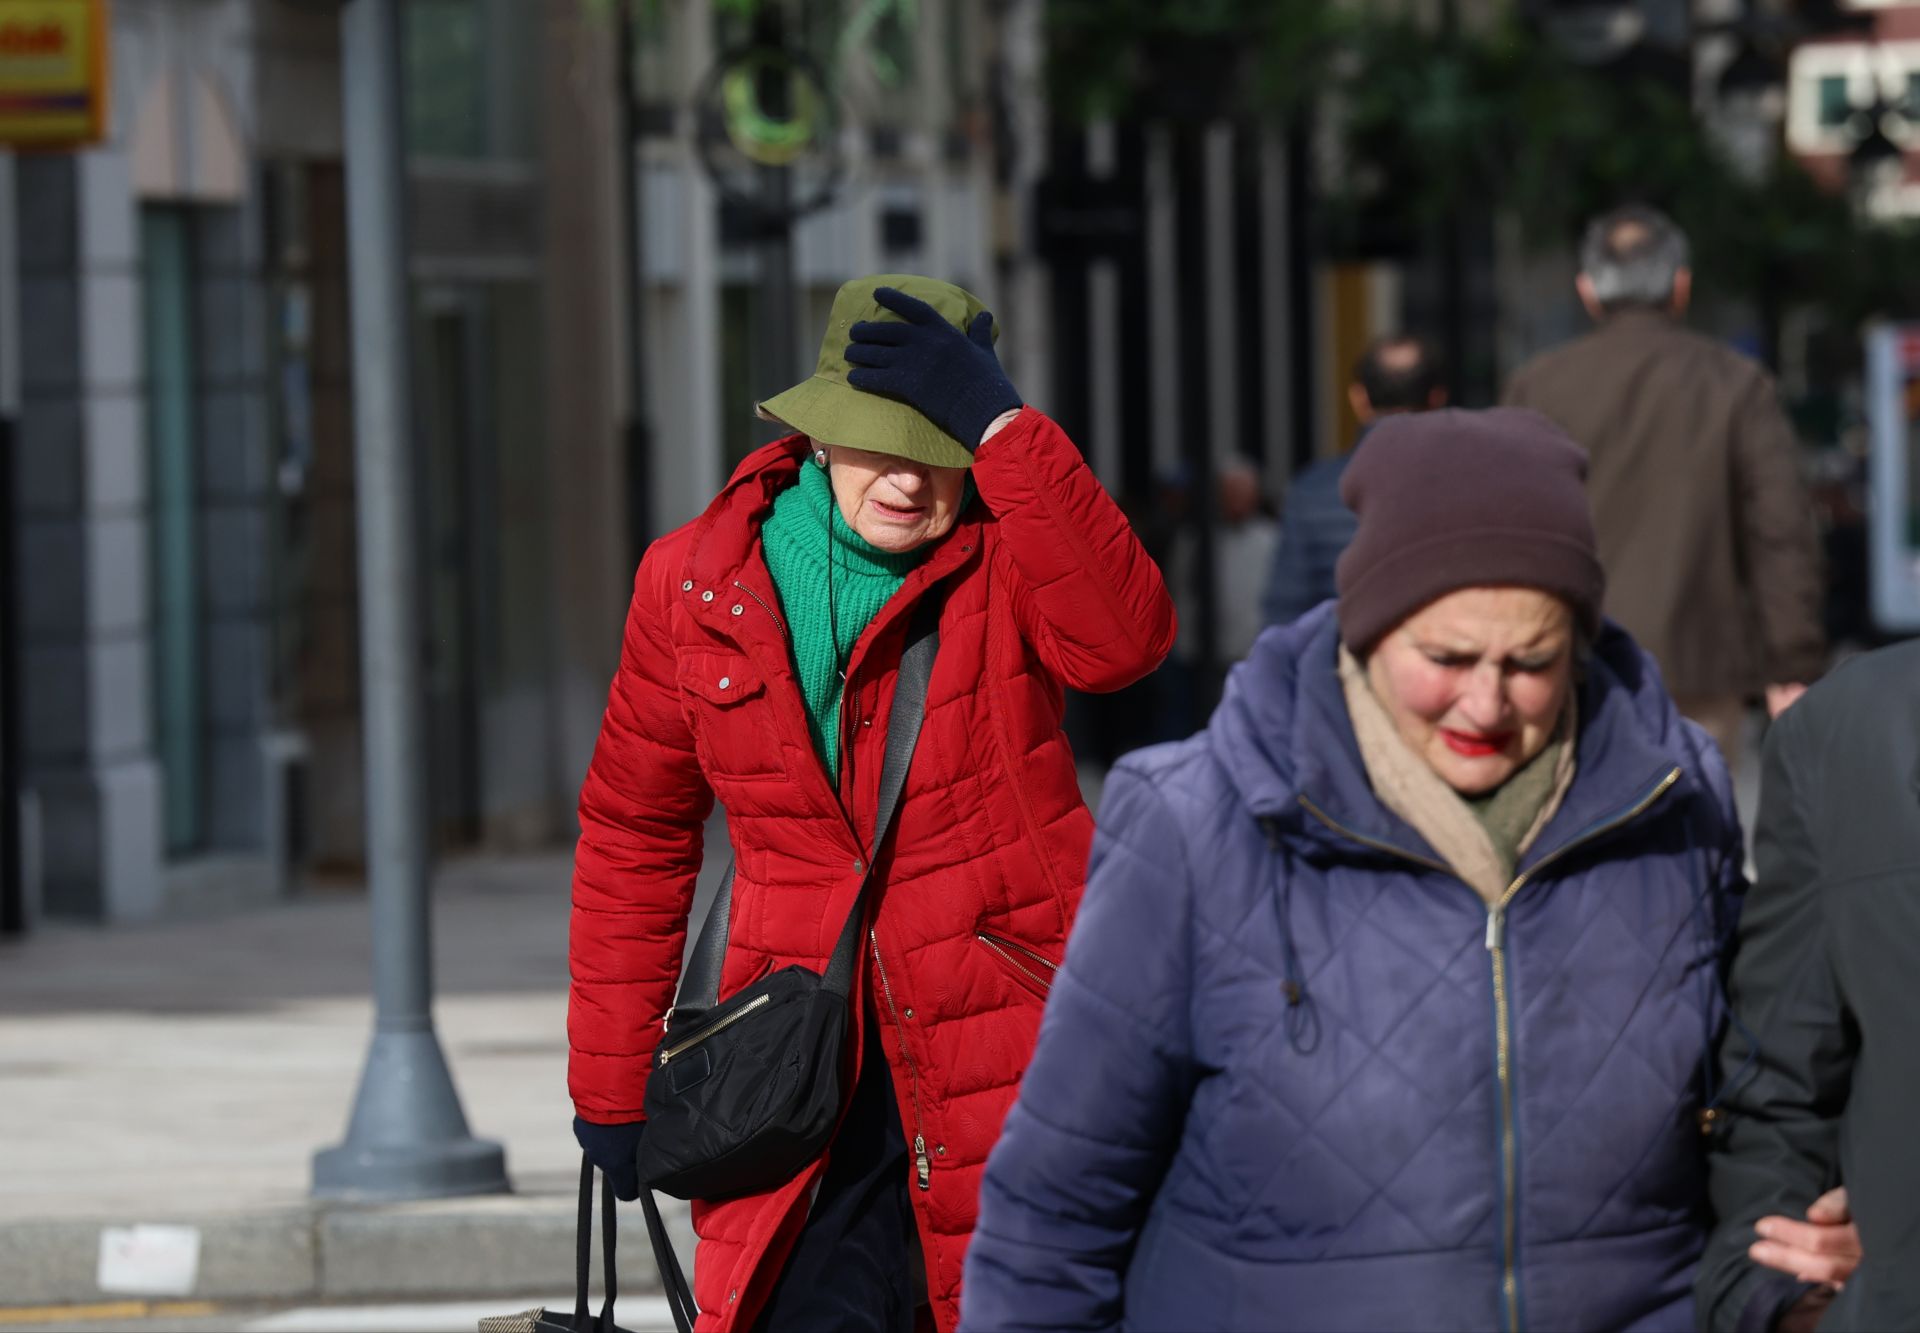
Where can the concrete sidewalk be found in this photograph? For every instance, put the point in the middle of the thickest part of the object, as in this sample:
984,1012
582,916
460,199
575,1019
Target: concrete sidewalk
185,1073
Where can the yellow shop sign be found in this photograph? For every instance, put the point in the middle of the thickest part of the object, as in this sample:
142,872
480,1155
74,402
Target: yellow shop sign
53,72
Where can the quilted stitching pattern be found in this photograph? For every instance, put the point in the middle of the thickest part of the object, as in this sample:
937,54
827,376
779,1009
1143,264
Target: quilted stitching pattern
1170,1134
1044,586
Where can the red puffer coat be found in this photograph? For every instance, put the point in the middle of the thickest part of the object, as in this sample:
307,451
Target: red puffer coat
1043,585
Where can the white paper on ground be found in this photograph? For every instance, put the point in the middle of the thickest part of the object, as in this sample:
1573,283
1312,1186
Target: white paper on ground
149,1260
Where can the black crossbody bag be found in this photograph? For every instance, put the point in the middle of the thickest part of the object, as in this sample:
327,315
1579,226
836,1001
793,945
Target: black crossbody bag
744,1095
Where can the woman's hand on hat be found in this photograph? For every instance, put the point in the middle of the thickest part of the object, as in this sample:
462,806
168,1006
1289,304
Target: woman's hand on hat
951,378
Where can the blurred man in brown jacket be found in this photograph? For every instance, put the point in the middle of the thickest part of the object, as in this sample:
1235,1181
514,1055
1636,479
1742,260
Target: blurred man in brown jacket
1705,528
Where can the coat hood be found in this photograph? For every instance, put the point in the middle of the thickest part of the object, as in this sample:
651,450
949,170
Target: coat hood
1282,735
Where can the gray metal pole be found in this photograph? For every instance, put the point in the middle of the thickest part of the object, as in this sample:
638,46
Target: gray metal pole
407,1138
13,907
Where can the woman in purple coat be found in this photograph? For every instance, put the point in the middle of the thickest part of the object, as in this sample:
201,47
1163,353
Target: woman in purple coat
1392,996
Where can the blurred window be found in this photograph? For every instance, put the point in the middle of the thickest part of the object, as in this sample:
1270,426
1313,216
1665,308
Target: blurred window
661,77
471,71
1834,103
444,80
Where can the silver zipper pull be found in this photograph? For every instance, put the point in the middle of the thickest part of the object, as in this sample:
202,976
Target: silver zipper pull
1495,922
921,1166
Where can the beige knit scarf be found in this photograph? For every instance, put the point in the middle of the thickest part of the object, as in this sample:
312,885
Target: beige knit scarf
1408,787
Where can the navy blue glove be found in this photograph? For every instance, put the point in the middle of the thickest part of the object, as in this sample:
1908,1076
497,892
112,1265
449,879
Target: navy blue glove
951,378
612,1149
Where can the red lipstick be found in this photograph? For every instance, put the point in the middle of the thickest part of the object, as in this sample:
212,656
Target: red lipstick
1475,745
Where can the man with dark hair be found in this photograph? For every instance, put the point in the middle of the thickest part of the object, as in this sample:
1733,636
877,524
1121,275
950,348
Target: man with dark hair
1705,528
1397,373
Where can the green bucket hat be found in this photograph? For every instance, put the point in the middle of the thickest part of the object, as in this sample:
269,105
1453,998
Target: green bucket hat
832,411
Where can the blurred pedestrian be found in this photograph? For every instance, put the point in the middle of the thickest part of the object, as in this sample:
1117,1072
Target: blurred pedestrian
1705,527
1398,373
1173,690
1243,542
1823,1068
761,653
1267,1093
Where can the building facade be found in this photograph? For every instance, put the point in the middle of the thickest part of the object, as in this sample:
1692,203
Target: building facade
184,490
1857,90
184,480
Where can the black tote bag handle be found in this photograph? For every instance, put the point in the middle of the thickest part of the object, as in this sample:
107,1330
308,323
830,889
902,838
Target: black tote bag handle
583,1322
679,1296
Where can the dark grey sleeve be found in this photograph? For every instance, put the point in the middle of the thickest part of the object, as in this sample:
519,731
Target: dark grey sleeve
1290,592
1315,527
1788,1055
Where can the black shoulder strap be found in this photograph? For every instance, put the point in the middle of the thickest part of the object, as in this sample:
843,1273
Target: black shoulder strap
673,1278
700,982
903,731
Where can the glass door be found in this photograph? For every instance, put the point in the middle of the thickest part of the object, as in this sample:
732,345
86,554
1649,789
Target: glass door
179,702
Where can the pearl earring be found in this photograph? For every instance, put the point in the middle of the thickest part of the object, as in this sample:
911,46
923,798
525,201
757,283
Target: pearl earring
820,457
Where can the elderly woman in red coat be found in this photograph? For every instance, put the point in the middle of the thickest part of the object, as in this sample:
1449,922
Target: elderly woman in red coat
760,655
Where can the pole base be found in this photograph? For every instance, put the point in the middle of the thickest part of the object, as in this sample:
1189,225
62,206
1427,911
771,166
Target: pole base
408,1138
387,1173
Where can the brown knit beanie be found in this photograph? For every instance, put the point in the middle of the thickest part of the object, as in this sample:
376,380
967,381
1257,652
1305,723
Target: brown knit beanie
1457,499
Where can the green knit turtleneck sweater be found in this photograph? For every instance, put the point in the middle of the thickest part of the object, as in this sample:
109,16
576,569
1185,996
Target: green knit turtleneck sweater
800,536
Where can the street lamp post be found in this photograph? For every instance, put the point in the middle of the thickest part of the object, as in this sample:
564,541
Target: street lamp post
407,1138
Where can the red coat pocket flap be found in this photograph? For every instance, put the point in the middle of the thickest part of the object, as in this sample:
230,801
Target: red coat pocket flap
724,679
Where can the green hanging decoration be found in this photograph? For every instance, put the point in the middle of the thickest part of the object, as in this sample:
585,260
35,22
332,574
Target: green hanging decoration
769,140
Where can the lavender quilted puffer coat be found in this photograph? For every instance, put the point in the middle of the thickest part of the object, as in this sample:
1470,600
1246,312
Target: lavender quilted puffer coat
1464,1118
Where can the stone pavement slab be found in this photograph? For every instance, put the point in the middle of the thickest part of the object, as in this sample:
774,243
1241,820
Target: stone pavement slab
186,1072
